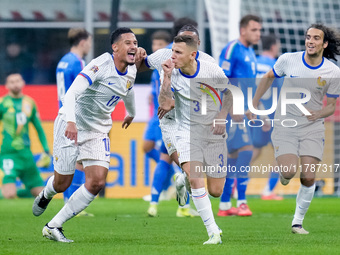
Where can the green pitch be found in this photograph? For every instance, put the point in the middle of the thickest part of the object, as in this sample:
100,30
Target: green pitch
122,227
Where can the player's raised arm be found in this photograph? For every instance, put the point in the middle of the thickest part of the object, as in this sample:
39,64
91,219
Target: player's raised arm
166,102
265,82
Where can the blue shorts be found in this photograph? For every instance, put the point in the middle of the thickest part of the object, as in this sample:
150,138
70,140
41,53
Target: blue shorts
259,137
153,131
238,135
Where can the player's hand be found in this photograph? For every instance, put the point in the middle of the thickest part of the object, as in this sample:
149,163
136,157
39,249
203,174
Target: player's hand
127,121
266,124
165,108
250,115
168,66
44,160
219,127
71,131
315,115
140,56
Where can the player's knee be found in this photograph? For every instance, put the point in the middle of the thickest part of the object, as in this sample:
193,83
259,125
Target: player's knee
97,185
147,146
215,192
9,194
308,182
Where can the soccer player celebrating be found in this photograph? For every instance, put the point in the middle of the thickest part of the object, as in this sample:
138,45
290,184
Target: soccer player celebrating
16,160
198,142
82,126
304,139
67,70
239,63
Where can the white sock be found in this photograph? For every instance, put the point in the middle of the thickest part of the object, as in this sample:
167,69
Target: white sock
79,200
266,191
303,200
49,191
225,206
203,205
240,202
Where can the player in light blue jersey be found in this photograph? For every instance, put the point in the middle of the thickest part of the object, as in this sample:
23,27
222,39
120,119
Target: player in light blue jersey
153,135
261,136
238,61
68,68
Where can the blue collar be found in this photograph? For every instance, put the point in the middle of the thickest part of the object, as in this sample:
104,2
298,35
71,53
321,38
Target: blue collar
195,74
309,66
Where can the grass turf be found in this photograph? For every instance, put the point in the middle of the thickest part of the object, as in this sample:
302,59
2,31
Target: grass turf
121,226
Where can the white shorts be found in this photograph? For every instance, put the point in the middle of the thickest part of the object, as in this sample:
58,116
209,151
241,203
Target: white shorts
298,142
211,153
169,129
94,148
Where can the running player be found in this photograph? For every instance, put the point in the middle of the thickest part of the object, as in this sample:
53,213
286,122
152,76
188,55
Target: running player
82,126
304,139
199,143
67,70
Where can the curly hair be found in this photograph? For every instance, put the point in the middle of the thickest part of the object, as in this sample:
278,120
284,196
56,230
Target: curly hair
332,37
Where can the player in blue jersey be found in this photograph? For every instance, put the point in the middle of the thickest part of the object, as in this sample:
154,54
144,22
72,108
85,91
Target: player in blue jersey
261,136
238,61
153,136
67,70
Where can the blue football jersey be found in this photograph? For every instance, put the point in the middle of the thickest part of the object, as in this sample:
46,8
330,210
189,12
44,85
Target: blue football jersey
264,64
155,85
239,64
67,70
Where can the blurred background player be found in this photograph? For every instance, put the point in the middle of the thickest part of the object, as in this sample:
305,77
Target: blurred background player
163,174
311,70
261,136
16,160
238,61
153,136
67,70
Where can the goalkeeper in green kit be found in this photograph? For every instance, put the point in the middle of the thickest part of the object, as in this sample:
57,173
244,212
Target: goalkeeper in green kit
16,158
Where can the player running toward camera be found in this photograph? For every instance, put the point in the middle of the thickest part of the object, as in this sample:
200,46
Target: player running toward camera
198,142
239,63
304,140
169,128
67,70
82,126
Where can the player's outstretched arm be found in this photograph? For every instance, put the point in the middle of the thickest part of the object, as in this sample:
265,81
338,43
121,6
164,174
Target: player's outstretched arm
265,82
166,103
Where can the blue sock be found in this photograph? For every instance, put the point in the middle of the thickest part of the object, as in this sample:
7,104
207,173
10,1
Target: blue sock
228,186
274,177
159,178
243,159
154,154
77,181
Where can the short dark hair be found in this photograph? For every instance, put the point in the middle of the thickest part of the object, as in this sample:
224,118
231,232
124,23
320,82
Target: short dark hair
161,35
187,39
76,34
268,41
247,18
332,37
179,23
190,28
115,35
12,73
